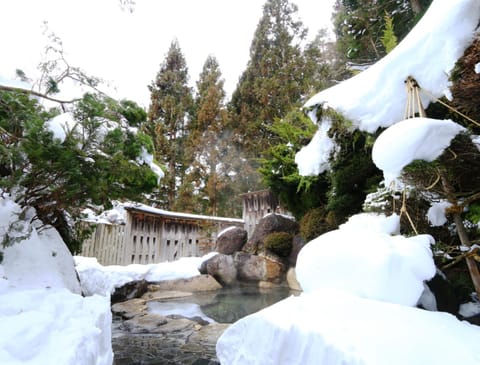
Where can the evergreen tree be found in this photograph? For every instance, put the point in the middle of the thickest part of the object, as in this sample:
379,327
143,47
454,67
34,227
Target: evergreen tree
168,117
98,161
360,25
274,79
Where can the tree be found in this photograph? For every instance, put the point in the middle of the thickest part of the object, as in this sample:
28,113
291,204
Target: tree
168,117
206,142
359,25
274,78
95,160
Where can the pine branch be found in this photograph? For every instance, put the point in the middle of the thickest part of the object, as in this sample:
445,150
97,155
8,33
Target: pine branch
35,93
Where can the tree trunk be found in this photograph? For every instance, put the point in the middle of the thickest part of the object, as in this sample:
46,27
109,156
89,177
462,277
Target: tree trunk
416,6
471,263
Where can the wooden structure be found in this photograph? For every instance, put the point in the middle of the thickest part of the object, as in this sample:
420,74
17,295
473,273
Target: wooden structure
153,235
256,205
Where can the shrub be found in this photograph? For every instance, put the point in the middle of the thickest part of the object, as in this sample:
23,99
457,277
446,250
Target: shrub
279,243
316,222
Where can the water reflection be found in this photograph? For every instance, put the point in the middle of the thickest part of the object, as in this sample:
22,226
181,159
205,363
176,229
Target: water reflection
225,306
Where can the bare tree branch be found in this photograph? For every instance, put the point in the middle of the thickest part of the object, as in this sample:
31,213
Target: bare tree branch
35,93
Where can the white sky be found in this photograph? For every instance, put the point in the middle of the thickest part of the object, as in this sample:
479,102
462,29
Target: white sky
128,48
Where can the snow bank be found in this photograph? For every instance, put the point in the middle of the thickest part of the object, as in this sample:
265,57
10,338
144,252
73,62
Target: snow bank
409,140
336,328
54,327
44,319
364,259
98,279
359,285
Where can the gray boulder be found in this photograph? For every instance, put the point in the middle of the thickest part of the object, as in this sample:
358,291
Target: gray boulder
269,224
232,240
221,267
297,244
193,284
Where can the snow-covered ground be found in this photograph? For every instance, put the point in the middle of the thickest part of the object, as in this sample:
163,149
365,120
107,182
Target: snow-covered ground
44,319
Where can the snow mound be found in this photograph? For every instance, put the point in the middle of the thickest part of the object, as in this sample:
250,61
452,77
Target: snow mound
409,140
335,328
364,259
98,279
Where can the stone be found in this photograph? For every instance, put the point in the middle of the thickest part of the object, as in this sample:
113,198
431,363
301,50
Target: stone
129,308
231,241
444,293
292,280
145,323
269,224
132,289
222,268
297,244
158,295
258,268
193,284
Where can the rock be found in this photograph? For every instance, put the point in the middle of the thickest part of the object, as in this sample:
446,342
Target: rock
158,295
269,224
222,268
132,289
130,308
444,293
258,268
292,280
145,323
297,244
193,284
232,240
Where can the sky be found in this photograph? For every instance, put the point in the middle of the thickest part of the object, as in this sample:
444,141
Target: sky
127,49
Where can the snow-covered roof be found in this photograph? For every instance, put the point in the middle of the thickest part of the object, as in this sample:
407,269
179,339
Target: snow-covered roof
165,213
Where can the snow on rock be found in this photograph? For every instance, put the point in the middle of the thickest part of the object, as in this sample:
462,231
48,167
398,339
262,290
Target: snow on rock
43,318
409,140
98,279
436,213
364,259
337,328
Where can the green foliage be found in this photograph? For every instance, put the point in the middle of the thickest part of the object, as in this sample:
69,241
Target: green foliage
389,39
473,214
280,243
89,167
279,170
316,222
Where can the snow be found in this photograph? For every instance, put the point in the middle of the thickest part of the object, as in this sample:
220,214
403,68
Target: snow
477,68
337,328
314,158
362,257
98,279
409,140
147,158
44,318
360,283
377,96
469,309
436,213
61,125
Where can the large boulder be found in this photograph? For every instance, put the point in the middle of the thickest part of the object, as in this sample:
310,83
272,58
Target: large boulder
297,244
269,224
221,267
131,290
258,268
130,308
231,240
